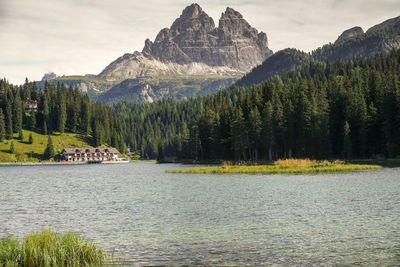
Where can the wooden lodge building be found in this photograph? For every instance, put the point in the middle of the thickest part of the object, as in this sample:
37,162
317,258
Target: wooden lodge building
30,105
90,154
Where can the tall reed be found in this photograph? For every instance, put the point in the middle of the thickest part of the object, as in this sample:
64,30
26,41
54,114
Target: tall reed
48,248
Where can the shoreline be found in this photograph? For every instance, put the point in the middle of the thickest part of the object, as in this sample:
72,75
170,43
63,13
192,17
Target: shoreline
45,163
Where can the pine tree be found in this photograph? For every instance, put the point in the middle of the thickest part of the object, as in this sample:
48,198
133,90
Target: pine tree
32,120
49,151
2,126
30,138
20,135
185,139
17,113
85,116
9,125
45,128
268,129
12,147
347,145
160,152
62,114
45,113
237,134
98,134
255,127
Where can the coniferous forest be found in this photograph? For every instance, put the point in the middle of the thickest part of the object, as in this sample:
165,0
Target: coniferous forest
321,110
59,109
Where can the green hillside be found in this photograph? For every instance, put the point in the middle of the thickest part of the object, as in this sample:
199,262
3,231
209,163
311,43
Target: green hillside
34,152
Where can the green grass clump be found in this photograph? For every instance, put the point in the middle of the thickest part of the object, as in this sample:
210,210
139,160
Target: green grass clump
290,166
47,248
9,252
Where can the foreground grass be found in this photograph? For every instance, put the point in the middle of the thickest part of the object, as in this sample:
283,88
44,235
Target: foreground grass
34,152
47,248
290,166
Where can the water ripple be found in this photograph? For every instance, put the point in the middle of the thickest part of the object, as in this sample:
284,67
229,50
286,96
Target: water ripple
148,217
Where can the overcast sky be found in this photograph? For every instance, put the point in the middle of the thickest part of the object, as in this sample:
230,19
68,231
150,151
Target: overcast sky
84,36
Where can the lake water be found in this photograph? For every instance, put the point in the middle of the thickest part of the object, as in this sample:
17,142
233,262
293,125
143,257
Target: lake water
153,218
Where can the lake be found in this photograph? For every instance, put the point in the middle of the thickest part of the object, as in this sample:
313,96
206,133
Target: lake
152,218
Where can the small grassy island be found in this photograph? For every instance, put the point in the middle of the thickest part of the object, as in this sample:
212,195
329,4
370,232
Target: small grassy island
288,166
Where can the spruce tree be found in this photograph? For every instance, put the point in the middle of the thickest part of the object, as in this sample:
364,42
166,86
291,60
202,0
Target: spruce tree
85,115
49,152
45,128
347,145
17,113
255,128
160,152
30,138
32,120
268,129
20,135
62,114
9,125
237,133
12,147
2,126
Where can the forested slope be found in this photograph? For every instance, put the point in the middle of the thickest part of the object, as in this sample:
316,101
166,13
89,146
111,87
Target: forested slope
320,110
59,109
378,39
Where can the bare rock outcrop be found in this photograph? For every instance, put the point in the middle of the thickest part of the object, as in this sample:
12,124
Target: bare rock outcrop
193,37
193,42
350,33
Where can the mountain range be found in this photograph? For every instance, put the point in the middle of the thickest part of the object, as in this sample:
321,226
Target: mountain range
194,57
352,43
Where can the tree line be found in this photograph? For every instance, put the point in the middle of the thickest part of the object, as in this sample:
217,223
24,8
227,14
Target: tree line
361,45
59,109
320,110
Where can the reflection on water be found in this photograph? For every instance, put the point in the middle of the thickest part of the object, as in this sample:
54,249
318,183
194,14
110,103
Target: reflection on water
153,218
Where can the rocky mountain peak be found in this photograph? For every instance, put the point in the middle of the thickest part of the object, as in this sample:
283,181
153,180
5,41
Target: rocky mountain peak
192,11
350,33
193,18
233,25
230,13
193,38
49,76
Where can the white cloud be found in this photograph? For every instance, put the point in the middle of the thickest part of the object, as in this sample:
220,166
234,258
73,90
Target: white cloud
84,36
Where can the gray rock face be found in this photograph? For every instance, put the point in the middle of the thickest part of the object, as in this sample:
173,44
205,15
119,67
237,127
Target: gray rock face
49,76
193,37
350,33
393,23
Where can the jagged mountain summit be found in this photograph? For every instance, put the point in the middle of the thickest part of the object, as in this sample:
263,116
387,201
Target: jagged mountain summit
193,37
193,45
191,58
49,76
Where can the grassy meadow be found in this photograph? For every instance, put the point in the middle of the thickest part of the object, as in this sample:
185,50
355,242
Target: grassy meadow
288,166
47,248
34,152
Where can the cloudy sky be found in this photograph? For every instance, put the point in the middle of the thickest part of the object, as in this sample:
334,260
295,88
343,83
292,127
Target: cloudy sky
84,36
